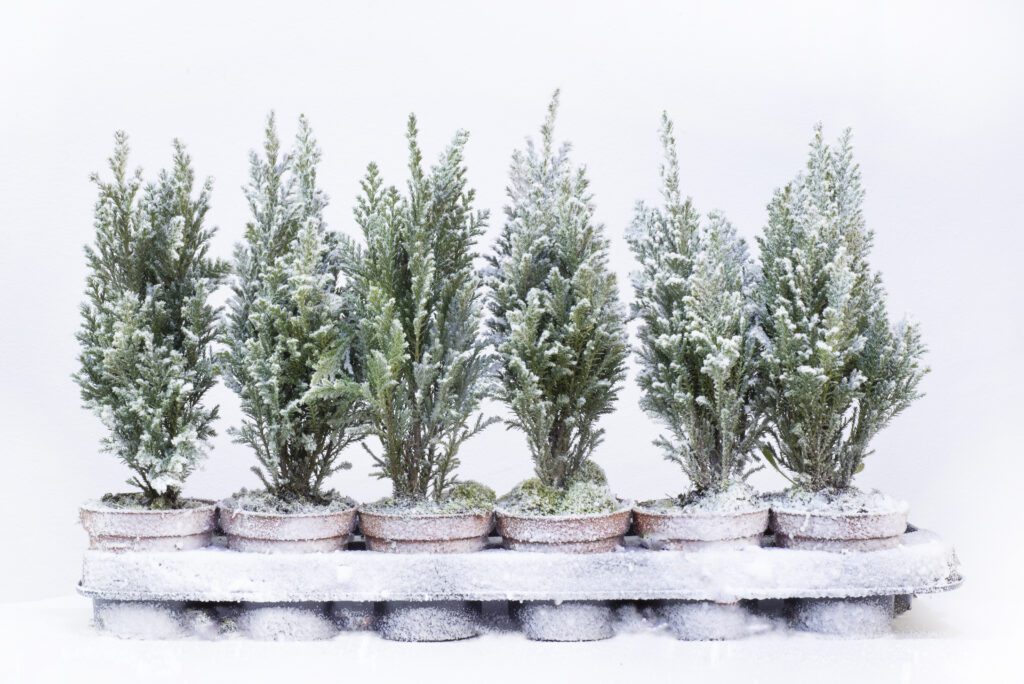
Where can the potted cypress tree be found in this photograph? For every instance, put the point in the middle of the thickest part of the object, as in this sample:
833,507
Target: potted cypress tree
146,360
698,358
559,330
285,320
425,361
419,311
836,370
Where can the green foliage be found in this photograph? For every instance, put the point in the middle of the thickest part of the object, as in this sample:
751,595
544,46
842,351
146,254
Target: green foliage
837,371
147,326
556,320
698,349
472,495
419,317
285,322
579,497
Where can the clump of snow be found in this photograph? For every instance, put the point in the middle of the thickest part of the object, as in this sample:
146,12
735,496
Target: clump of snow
849,500
850,617
201,621
566,621
307,621
261,501
736,498
429,620
140,619
707,620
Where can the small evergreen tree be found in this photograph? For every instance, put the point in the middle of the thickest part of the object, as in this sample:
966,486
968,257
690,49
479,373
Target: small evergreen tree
147,325
420,319
285,321
837,371
556,320
698,349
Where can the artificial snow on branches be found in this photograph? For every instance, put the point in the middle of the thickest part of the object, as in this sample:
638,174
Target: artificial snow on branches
147,325
285,321
419,319
837,372
556,321
698,333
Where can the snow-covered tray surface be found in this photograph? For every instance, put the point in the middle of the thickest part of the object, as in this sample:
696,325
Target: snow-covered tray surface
922,563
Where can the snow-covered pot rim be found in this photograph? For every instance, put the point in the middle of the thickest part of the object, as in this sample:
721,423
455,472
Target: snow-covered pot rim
240,522
625,507
563,529
685,513
101,520
424,526
708,526
395,515
797,524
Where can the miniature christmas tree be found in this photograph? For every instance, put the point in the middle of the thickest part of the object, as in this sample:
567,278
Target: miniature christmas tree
285,322
698,348
147,325
837,372
419,321
556,322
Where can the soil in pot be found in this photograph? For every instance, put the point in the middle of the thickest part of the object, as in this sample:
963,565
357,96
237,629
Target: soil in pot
838,520
733,517
123,522
583,518
259,522
459,523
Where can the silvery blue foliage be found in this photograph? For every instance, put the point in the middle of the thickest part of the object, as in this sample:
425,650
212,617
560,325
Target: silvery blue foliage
698,333
286,319
147,325
837,371
556,321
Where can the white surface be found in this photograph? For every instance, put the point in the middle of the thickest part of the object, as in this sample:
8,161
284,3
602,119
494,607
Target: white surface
51,641
932,90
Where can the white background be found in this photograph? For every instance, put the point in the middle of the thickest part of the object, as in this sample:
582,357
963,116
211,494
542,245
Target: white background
932,91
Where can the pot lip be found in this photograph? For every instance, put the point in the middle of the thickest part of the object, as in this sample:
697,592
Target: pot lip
423,516
838,514
639,509
625,507
224,506
97,506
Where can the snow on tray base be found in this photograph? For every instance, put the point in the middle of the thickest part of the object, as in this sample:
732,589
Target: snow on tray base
921,563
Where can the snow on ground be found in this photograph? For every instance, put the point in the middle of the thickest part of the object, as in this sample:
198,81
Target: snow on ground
944,638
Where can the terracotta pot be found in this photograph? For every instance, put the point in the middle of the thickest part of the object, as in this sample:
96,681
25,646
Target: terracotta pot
128,529
583,533
838,531
425,533
286,532
680,529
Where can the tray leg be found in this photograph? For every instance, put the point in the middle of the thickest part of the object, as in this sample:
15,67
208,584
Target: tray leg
566,621
705,620
286,621
902,603
352,616
854,617
141,619
428,620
